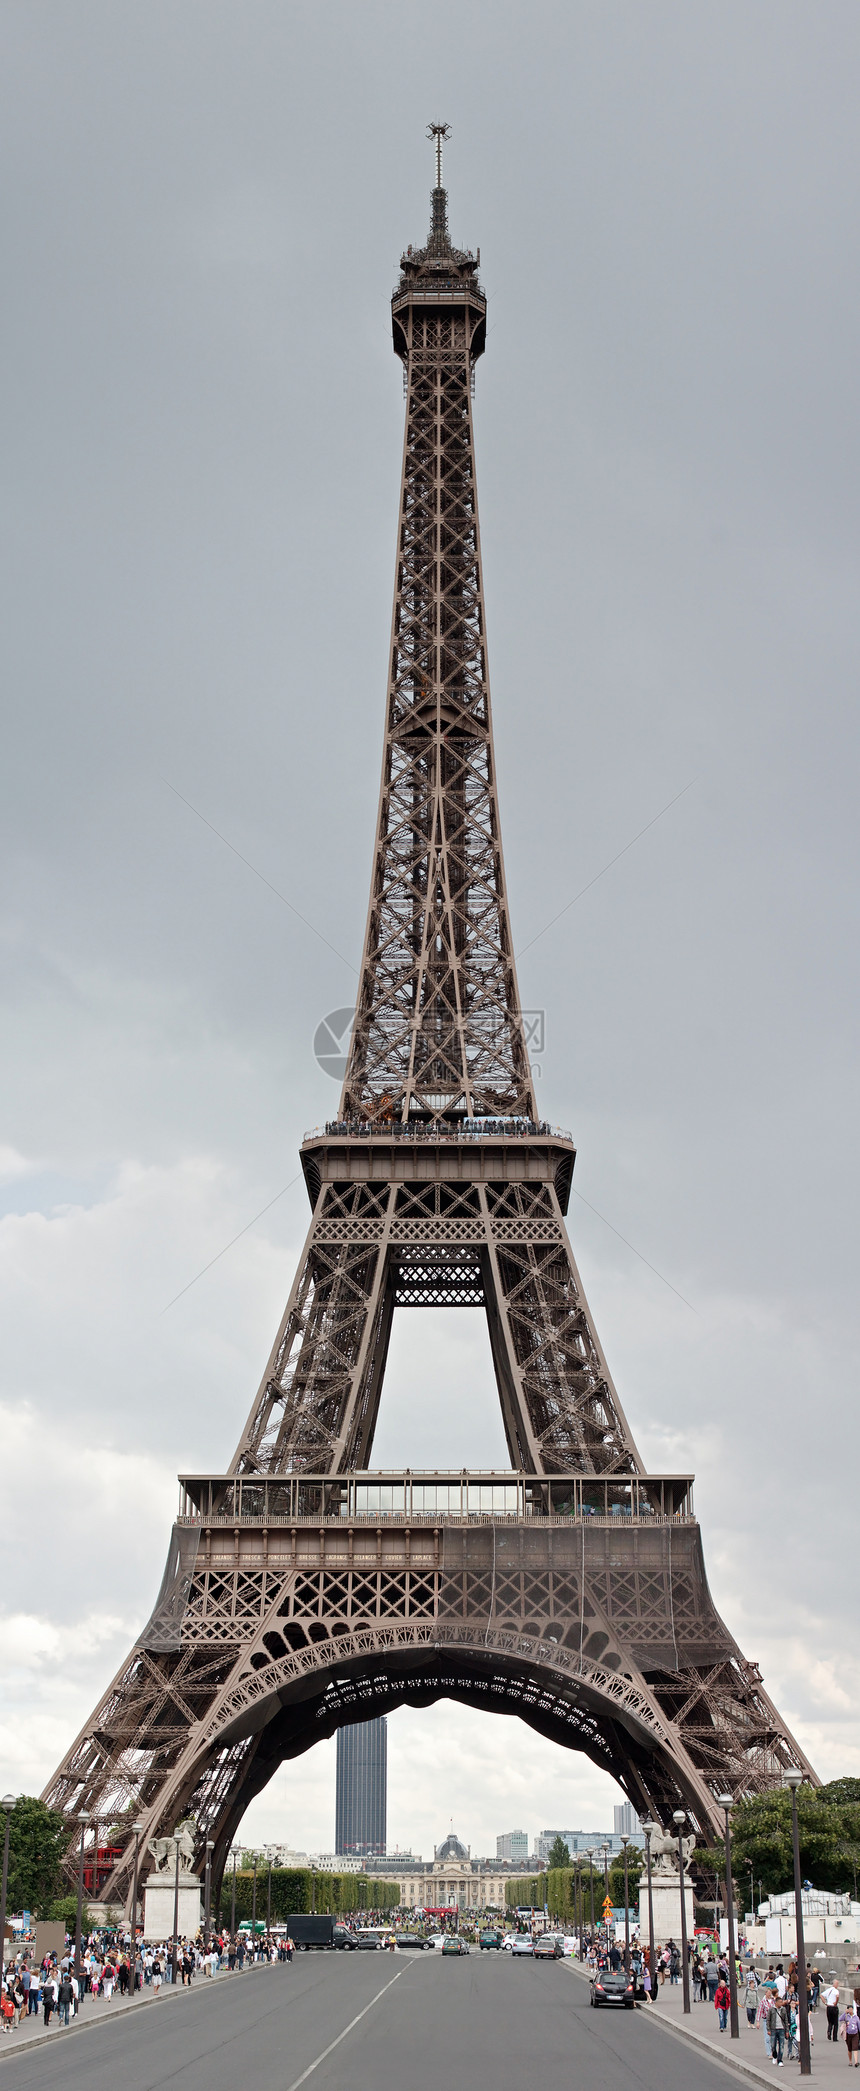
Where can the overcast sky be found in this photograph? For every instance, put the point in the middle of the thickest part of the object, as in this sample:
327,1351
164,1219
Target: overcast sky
203,210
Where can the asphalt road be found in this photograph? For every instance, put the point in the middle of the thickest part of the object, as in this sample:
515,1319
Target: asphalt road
408,2023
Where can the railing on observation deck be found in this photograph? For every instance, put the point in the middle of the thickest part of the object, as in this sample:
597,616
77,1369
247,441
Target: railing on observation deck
416,1496
468,1129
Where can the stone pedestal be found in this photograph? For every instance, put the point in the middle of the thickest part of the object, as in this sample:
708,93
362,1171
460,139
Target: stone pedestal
158,1907
667,1909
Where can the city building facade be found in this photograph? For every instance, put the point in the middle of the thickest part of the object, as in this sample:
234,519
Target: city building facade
513,1846
627,1822
361,1802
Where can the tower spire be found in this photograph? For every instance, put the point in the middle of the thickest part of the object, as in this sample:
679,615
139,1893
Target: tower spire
439,242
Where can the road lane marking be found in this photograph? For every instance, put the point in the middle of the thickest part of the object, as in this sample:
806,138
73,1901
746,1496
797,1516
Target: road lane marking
342,2036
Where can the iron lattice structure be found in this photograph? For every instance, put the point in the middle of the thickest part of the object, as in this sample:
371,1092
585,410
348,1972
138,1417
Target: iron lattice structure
302,1591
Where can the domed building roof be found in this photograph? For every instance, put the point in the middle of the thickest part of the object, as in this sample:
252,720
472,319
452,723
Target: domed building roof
452,1849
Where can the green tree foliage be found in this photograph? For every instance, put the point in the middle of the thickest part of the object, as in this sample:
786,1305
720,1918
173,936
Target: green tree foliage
635,1863
37,1841
559,1854
829,1825
294,1889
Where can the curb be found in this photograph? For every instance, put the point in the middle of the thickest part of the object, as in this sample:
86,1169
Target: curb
89,2025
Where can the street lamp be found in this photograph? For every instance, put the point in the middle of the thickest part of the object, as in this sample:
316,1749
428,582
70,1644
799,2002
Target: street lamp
175,1956
605,1850
137,1832
83,1818
269,1893
724,1801
7,1804
233,1901
793,1780
649,1829
207,1900
624,1843
679,1818
589,1853
254,1907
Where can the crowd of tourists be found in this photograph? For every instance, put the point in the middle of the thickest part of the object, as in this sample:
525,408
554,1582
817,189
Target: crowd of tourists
52,1992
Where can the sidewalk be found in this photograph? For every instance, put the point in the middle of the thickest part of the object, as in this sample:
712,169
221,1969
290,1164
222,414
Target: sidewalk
96,2011
747,2054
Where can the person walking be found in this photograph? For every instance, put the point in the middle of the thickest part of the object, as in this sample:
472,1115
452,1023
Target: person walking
751,1995
831,1999
722,2000
850,2023
777,2026
49,1996
157,1974
65,1998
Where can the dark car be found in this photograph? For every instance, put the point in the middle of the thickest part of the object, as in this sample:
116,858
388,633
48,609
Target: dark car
343,1939
490,1942
613,1986
455,1945
549,1947
409,1941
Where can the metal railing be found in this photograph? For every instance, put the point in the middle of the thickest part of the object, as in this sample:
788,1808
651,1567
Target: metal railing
416,1496
469,1129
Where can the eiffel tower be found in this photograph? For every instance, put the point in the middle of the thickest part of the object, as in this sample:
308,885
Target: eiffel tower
303,1590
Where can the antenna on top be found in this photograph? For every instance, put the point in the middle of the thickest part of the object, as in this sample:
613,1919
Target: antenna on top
438,131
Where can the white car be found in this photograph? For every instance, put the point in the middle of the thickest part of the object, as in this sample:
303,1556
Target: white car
523,1943
508,1940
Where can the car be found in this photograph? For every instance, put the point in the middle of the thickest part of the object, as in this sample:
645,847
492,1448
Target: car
367,1943
522,1943
453,1944
548,1947
409,1941
613,1986
490,1942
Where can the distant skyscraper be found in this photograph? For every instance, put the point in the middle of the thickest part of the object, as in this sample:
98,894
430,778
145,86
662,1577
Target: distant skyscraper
361,1807
626,1820
514,1846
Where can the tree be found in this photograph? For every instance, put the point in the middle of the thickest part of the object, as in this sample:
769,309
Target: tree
635,1862
37,1841
829,1825
559,1853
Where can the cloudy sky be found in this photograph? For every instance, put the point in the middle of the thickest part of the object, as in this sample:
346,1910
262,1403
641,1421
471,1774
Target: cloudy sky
204,206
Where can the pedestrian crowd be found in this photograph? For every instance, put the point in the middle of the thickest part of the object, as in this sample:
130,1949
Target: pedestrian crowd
51,1988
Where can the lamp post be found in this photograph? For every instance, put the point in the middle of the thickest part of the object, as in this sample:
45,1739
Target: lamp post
83,1818
624,1843
724,1801
269,1895
254,1906
314,1896
793,1780
207,1898
7,1804
137,1832
590,1857
605,1850
175,1953
233,1899
679,1818
649,1828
